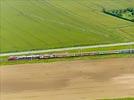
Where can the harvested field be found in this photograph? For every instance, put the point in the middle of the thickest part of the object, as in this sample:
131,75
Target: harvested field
75,80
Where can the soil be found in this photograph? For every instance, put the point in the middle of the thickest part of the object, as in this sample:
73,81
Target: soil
70,80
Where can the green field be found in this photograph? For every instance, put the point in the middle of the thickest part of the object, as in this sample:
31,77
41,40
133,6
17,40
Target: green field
44,24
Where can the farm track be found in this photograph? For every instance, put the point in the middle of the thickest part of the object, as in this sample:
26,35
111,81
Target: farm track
64,49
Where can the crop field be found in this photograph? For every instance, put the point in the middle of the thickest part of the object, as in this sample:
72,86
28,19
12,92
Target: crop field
44,24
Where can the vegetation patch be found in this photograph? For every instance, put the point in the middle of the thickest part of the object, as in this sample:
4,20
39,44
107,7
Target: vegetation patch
120,99
127,14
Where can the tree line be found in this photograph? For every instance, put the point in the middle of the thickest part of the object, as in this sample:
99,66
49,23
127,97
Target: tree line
119,12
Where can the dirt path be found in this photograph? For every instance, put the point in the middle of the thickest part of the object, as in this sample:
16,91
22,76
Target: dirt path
63,49
75,80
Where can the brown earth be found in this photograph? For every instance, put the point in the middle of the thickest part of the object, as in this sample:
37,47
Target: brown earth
71,80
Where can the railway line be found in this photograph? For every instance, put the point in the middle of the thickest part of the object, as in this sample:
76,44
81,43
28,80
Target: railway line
51,56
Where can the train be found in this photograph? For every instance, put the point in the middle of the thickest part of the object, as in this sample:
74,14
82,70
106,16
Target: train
50,56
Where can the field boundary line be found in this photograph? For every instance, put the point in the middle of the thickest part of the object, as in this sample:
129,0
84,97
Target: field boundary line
65,49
